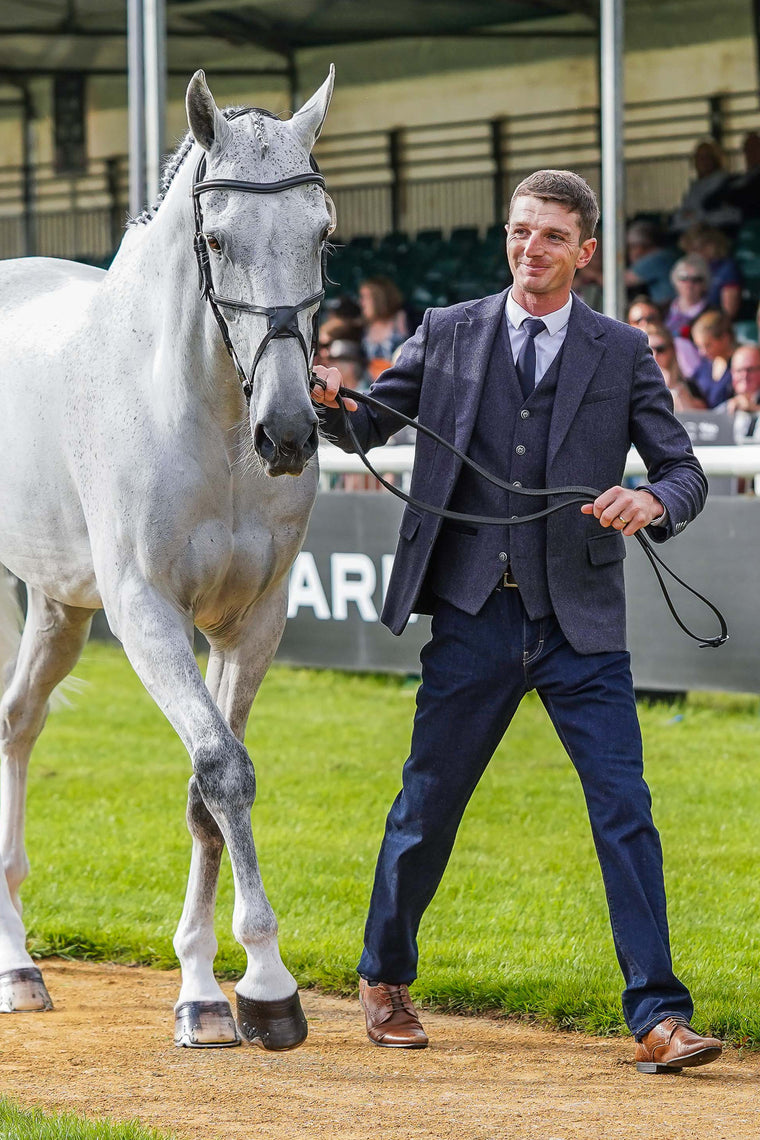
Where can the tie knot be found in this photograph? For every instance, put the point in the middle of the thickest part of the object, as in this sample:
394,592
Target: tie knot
533,326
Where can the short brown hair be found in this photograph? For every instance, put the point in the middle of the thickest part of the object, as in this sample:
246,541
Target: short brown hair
714,323
566,187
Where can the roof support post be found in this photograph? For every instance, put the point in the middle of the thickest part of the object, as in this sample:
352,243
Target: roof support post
154,25
27,163
294,86
394,162
613,191
146,53
138,196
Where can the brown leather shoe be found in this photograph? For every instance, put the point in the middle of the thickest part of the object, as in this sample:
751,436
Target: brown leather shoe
392,1020
673,1045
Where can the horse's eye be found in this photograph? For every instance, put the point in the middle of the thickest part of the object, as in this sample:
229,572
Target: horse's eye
212,243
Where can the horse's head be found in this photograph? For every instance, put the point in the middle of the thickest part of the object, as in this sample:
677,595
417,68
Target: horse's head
264,249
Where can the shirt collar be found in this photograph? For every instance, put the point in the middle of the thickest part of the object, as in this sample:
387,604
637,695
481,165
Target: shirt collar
555,321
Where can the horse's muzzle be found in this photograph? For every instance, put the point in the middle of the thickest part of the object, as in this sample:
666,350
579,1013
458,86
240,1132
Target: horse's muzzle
284,456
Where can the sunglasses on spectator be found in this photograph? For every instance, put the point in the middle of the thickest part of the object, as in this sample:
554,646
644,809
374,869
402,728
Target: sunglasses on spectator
686,277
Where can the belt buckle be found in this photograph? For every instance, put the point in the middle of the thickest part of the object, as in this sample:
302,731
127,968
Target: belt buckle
508,579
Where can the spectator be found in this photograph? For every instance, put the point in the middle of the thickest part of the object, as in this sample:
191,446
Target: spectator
691,279
742,190
338,329
650,261
643,312
713,334
385,323
725,288
686,395
745,374
744,405
348,356
711,181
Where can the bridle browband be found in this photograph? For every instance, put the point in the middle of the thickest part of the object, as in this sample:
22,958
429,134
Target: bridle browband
282,320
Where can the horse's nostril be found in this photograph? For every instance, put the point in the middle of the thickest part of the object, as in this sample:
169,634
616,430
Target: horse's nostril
312,443
263,444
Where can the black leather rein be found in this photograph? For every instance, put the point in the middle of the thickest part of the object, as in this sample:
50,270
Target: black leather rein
573,495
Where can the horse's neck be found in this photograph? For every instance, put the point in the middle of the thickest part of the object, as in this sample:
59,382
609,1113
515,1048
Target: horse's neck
156,274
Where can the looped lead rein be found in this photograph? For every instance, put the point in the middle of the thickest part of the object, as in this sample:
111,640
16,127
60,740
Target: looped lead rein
575,495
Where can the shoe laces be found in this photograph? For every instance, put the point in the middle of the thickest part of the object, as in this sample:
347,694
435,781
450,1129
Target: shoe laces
397,999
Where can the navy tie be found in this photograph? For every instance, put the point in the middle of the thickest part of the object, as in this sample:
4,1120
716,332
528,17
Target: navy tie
526,361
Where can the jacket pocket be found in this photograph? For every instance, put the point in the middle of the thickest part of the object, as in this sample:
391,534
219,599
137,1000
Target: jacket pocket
601,394
410,524
605,548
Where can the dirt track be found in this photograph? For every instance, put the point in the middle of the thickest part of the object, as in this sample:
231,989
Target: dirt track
107,1049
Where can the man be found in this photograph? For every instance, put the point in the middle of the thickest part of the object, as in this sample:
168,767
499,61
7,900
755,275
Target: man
649,261
745,375
540,390
713,334
744,405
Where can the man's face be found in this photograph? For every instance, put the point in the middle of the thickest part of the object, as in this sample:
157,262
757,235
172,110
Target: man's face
745,371
544,247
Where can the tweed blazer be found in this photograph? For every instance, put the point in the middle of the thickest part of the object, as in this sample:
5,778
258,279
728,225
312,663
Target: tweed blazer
610,394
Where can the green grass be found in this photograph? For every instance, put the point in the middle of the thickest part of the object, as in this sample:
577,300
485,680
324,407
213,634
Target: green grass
33,1124
519,924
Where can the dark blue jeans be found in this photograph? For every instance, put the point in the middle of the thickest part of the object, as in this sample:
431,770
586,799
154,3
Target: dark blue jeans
475,671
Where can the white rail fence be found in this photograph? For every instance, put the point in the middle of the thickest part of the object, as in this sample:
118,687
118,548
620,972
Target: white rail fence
738,461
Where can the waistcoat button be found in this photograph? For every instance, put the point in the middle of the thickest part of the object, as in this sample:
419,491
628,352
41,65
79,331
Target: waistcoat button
503,556
524,414
519,450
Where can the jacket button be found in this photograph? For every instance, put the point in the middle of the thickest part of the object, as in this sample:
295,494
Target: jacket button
503,556
517,483
524,414
519,450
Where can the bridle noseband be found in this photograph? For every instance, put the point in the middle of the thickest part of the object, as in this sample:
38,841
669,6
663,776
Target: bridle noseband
282,320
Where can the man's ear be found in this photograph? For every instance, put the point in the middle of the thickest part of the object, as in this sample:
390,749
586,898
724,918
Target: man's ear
588,249
308,122
207,123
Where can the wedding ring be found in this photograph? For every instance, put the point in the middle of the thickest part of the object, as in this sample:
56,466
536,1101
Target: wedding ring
622,520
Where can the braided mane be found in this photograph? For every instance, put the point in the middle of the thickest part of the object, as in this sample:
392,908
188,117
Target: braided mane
175,161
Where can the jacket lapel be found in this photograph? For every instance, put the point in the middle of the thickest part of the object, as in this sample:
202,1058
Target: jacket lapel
473,341
582,351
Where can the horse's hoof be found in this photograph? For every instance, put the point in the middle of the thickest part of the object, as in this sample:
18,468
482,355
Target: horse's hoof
205,1025
23,991
276,1025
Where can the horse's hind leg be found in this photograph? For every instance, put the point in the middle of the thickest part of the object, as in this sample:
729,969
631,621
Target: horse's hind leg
51,643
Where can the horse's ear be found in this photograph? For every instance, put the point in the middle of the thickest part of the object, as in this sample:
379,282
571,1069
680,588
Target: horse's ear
308,122
207,123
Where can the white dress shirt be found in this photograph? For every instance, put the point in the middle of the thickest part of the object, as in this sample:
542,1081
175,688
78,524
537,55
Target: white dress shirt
548,343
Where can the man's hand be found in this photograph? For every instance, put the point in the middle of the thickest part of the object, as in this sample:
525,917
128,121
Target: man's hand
332,380
626,511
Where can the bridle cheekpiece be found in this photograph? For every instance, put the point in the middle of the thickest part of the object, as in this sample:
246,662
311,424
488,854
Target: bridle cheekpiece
282,320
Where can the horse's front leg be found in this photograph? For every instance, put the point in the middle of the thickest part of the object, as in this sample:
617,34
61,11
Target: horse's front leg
157,640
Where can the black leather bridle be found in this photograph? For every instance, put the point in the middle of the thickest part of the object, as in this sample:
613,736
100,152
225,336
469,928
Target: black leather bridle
282,320
571,495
